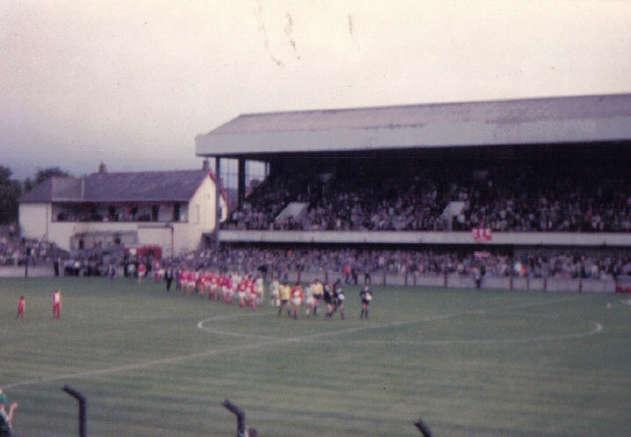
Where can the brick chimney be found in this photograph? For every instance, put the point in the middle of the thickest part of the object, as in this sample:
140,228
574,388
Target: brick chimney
206,165
102,168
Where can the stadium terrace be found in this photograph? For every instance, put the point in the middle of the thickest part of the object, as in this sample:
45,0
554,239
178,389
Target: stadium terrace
535,172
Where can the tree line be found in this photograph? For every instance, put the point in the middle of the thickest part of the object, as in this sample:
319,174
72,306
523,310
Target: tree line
11,189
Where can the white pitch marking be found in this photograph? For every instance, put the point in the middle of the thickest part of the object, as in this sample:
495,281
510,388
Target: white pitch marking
201,326
597,328
237,348
222,317
177,359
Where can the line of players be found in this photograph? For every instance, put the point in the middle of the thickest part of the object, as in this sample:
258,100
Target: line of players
249,290
314,295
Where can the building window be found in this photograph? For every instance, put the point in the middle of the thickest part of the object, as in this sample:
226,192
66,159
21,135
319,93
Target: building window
176,212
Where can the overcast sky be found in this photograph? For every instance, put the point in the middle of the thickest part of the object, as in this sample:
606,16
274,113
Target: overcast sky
131,83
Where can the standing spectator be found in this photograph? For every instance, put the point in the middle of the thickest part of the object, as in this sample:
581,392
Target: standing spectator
347,273
168,277
178,279
56,266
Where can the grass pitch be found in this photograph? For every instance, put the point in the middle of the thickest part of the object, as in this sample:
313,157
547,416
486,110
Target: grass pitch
469,362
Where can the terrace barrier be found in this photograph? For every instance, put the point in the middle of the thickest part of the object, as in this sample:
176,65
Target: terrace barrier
564,239
455,280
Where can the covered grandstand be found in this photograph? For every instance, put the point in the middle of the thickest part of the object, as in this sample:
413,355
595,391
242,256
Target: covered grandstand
540,175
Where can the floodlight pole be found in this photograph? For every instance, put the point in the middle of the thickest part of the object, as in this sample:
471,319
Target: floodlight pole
27,257
217,200
241,183
83,429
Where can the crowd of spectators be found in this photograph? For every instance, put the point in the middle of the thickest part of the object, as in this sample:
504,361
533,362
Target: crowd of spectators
359,263
162,212
354,264
259,211
395,204
15,250
502,198
529,200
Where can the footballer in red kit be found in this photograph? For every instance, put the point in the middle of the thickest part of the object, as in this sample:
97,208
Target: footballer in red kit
142,271
212,284
297,295
241,290
56,304
252,294
21,307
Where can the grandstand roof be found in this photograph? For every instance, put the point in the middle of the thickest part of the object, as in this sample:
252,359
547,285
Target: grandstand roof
578,119
148,186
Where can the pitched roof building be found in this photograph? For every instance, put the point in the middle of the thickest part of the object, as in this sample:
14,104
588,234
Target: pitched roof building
170,209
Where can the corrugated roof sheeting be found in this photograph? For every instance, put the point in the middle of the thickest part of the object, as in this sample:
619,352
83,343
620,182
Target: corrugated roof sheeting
510,111
581,118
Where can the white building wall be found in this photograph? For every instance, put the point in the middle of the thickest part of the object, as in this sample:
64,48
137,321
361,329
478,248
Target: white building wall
184,234
61,232
34,219
197,218
201,218
156,235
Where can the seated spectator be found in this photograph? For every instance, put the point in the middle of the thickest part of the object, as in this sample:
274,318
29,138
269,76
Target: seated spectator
504,198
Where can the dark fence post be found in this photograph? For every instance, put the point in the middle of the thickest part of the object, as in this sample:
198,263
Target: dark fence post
423,428
83,430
